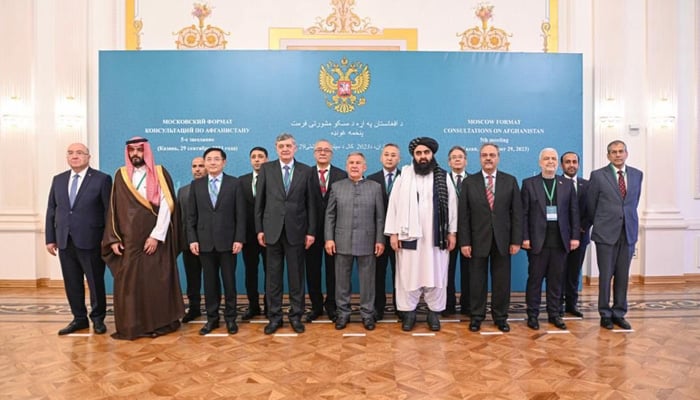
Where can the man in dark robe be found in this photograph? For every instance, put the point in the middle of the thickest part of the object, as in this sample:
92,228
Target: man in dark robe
140,246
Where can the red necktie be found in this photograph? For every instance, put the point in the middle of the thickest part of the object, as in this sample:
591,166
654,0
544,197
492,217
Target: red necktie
322,180
489,192
621,184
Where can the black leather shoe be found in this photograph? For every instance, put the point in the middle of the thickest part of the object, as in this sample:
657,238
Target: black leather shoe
232,327
606,323
557,321
313,316
433,321
74,326
575,312
99,327
378,316
448,311
332,314
533,323
475,325
297,326
251,313
502,326
272,327
341,323
409,320
208,327
191,316
368,323
622,323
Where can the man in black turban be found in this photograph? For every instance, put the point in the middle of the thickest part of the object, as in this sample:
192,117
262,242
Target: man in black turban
422,224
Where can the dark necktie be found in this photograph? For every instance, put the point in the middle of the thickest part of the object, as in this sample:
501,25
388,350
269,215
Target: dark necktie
621,184
73,189
389,182
322,180
459,184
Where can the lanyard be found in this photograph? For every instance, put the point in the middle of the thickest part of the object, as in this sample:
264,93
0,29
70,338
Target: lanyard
550,195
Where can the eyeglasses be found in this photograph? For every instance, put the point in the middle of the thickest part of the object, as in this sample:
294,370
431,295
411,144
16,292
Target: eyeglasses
323,150
77,153
458,157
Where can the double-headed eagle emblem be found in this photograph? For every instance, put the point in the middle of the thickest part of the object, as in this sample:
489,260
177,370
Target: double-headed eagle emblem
344,81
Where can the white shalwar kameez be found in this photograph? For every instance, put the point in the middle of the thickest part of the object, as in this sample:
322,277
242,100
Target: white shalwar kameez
423,270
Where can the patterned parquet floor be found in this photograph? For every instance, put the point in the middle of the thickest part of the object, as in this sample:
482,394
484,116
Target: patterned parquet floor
660,359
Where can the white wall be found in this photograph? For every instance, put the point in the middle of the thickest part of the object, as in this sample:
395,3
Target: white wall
635,52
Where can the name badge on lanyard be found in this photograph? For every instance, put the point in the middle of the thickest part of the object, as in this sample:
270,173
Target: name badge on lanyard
551,211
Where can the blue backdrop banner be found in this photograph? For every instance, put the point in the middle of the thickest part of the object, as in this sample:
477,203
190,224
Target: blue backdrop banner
185,102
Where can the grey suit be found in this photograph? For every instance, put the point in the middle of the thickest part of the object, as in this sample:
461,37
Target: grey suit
355,221
615,229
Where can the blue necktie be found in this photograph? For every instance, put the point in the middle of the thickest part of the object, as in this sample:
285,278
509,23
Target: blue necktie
286,178
389,182
213,191
73,189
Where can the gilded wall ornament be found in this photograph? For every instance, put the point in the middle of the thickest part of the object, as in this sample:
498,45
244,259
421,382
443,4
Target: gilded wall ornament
201,37
342,20
484,37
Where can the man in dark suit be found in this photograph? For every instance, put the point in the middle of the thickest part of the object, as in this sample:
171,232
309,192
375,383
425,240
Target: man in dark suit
285,219
355,230
216,232
490,229
193,267
390,158
252,251
574,260
75,221
550,230
457,160
612,199
325,175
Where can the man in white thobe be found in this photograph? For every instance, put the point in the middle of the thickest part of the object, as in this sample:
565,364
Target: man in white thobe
421,222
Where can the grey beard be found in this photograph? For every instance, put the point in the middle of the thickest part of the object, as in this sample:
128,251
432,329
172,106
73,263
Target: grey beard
424,169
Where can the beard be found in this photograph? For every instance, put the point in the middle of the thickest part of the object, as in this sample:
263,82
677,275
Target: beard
424,168
137,161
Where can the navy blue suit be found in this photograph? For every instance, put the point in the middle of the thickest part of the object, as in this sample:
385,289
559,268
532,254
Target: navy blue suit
615,231
548,247
574,260
77,232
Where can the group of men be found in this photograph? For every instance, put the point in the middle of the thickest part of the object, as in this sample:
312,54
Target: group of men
420,219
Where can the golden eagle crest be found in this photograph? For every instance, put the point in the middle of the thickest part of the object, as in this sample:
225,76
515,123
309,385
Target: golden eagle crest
344,81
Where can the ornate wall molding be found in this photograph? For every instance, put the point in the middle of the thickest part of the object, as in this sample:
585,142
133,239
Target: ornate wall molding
201,37
484,37
343,20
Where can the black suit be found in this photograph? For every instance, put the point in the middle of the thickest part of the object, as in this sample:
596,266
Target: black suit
216,227
193,266
77,232
286,218
490,234
252,251
388,256
550,240
574,260
452,267
316,253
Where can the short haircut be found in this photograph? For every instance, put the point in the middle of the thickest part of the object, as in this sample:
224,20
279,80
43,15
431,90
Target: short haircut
357,153
457,148
258,148
209,150
548,149
391,145
614,142
561,159
498,150
285,136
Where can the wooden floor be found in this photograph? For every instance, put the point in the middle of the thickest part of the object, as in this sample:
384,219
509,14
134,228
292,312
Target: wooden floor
660,359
